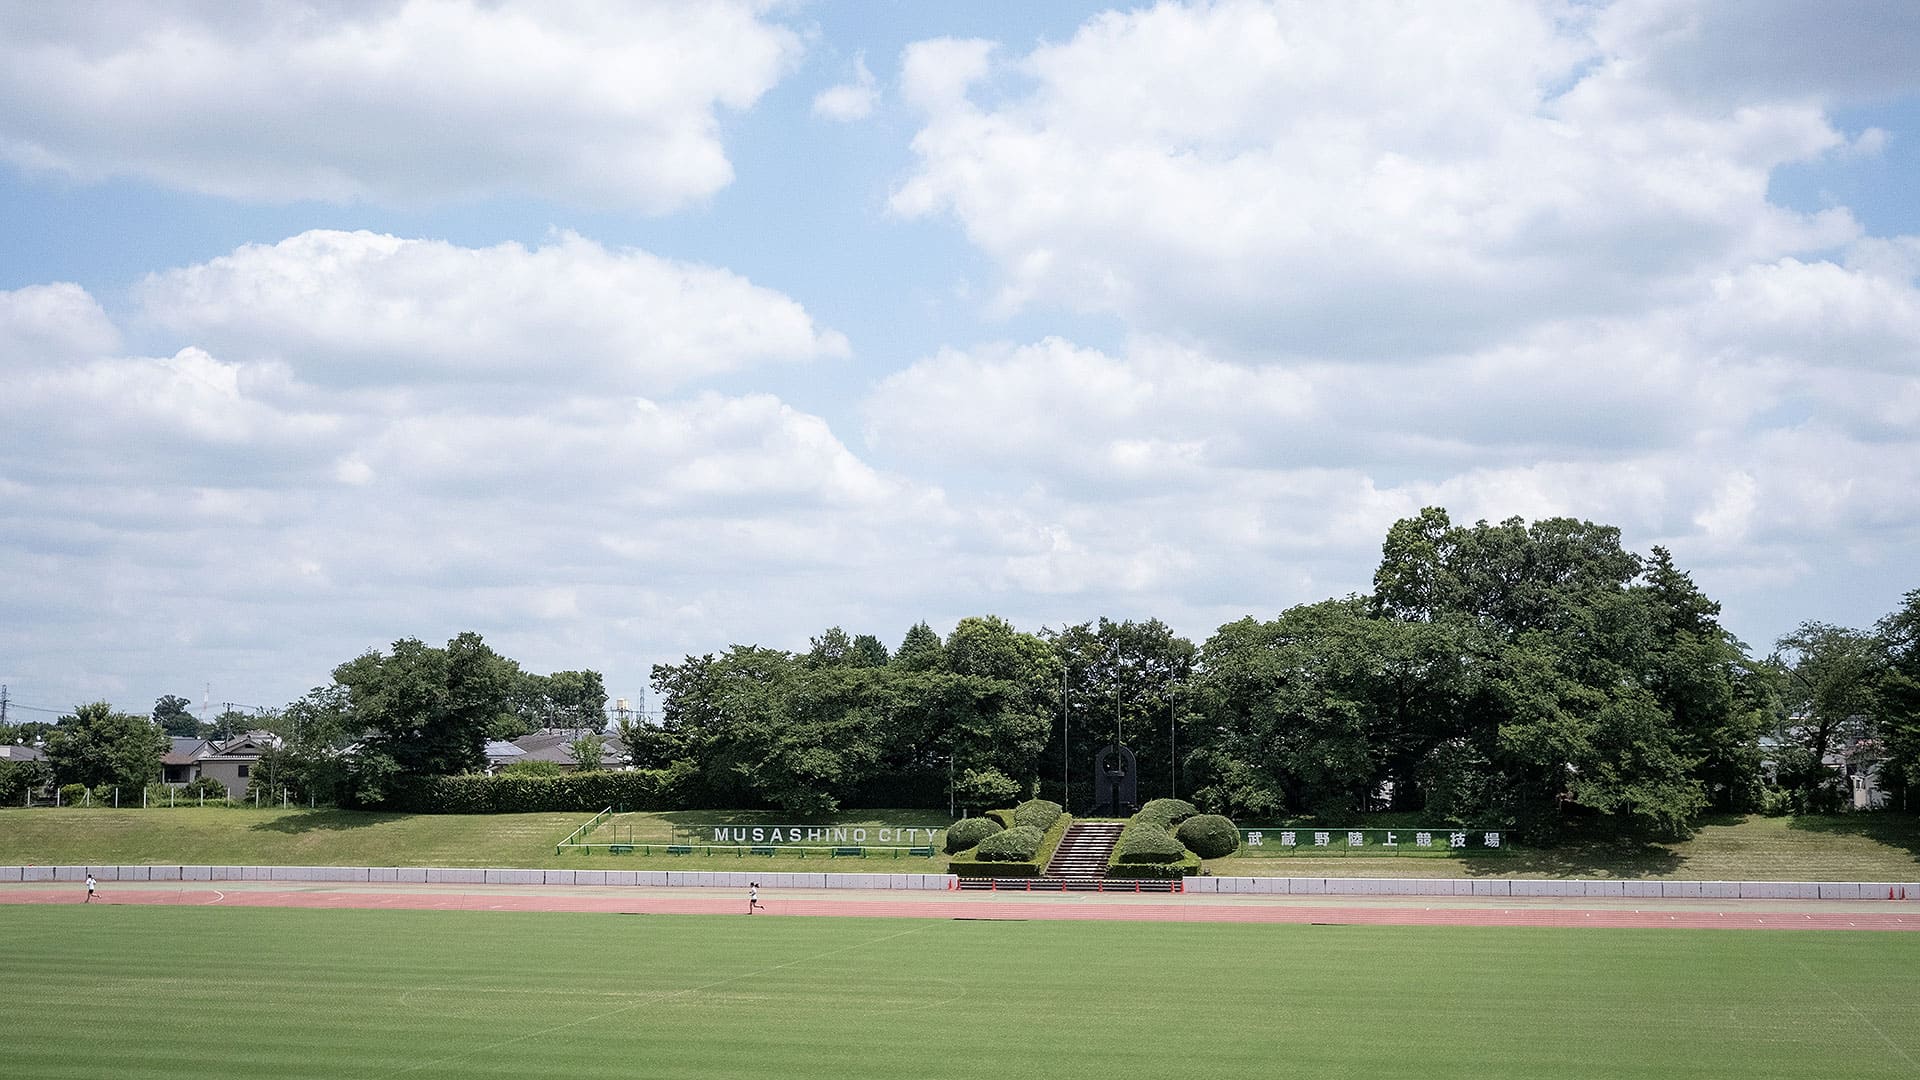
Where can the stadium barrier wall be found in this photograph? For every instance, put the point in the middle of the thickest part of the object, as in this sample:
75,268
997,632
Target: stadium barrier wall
717,879
427,875
1667,890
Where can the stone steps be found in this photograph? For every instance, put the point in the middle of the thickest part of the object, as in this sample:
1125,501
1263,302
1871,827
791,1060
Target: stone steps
1084,851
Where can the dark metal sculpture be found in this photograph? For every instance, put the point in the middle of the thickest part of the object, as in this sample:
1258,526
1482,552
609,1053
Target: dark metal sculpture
1116,782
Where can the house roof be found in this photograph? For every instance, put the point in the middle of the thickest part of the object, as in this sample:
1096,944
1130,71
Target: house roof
12,752
185,750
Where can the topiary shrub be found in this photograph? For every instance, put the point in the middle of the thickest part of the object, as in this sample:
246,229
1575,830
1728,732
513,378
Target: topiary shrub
1039,813
968,833
1166,813
73,794
1018,844
1004,817
1145,842
1209,836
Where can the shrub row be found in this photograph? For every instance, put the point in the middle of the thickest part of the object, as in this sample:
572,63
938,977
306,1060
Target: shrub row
1147,842
1166,813
964,834
1018,844
642,789
1187,866
1037,813
1209,836
970,864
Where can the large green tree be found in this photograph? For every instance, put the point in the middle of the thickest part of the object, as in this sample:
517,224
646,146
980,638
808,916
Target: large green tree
1899,693
95,745
175,716
426,709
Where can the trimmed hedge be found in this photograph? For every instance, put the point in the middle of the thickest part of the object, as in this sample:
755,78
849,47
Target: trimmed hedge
1166,813
642,789
1004,817
969,864
1038,813
1188,866
1209,836
1146,842
968,832
1018,844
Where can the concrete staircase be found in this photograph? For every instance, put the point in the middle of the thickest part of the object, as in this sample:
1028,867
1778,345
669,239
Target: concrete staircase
1084,851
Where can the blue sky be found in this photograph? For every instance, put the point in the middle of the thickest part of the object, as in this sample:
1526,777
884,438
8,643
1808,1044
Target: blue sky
620,332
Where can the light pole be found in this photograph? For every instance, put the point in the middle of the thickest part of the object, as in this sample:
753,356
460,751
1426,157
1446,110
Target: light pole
1063,734
1173,754
950,803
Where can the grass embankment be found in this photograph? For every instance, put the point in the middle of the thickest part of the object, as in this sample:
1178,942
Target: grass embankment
148,993
1846,847
1852,847
246,837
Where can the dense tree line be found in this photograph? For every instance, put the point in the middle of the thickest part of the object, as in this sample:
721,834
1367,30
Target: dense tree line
1531,676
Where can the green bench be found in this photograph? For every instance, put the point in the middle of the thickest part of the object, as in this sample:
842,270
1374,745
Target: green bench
850,852
761,849
923,852
679,849
620,849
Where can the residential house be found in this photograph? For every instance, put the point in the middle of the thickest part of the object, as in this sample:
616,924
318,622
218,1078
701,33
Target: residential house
229,761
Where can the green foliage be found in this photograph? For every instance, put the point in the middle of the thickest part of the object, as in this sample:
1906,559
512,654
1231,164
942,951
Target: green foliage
19,777
1033,864
1187,865
505,794
206,787
96,745
429,710
1037,813
1166,813
1002,818
968,832
174,716
1209,836
1147,842
73,794
588,751
1017,844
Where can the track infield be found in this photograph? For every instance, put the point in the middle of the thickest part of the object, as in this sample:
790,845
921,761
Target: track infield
154,991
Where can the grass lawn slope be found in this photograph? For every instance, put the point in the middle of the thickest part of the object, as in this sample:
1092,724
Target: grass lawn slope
152,993
247,837
1844,847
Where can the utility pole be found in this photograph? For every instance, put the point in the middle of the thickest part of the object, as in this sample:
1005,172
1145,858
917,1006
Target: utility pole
3,703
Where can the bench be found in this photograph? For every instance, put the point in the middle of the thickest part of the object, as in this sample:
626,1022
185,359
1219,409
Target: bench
619,849
679,849
850,852
923,852
761,849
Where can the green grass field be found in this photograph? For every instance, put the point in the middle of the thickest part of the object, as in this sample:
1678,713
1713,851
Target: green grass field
1852,847
153,992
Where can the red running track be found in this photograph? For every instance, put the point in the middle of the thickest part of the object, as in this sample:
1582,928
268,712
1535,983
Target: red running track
674,902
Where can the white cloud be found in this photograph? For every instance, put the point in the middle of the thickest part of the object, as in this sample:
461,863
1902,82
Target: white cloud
46,323
406,101
848,102
1374,179
567,317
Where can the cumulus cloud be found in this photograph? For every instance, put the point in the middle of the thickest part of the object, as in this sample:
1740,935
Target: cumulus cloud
848,102
569,316
1380,179
393,101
